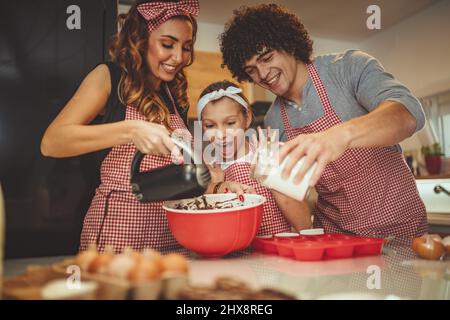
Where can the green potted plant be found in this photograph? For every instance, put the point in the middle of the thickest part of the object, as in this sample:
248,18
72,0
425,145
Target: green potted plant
433,158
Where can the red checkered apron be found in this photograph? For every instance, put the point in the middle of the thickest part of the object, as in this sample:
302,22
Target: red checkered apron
273,219
367,191
115,218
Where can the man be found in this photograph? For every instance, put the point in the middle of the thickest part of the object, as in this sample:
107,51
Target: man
342,111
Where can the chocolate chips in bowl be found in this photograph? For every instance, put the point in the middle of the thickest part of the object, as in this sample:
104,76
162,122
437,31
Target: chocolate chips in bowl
202,203
214,225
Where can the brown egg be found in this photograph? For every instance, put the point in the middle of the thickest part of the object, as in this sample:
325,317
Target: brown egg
152,255
144,270
85,258
175,262
428,247
121,265
100,263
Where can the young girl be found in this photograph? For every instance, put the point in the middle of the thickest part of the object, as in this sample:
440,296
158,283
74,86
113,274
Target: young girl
225,116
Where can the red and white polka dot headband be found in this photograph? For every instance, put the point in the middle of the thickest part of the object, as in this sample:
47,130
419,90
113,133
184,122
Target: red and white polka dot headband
156,13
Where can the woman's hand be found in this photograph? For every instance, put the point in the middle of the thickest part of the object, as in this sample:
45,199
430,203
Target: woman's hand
152,138
322,147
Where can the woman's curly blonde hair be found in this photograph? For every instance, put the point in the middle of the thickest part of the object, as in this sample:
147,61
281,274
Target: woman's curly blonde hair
128,50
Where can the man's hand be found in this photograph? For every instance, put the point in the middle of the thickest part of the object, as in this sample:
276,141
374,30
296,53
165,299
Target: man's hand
322,147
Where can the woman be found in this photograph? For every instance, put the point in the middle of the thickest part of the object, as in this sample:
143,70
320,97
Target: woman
142,97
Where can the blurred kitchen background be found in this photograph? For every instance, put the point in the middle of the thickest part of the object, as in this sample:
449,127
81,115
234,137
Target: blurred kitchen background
43,60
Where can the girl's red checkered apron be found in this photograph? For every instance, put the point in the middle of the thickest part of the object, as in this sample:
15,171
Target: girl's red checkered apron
367,191
115,218
273,220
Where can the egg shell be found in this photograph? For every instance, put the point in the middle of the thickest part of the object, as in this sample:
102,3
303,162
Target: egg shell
85,258
121,265
144,270
175,262
100,263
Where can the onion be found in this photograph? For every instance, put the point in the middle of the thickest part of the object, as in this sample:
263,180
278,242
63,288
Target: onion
428,247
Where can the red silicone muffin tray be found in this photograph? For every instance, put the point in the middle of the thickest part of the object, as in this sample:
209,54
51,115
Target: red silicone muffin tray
319,247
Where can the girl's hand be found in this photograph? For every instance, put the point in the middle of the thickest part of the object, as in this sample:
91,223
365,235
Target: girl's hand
216,172
152,138
235,187
230,187
266,146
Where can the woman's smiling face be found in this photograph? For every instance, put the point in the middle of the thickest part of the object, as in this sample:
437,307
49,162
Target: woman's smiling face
224,122
170,49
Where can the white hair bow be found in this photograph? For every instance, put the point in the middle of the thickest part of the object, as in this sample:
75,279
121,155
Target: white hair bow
230,92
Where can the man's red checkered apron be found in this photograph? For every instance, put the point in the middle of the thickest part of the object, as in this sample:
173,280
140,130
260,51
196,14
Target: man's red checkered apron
115,218
273,220
367,191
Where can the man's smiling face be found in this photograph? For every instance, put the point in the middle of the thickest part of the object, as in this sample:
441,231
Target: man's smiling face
273,70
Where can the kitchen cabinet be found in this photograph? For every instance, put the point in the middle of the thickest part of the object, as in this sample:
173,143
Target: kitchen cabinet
46,48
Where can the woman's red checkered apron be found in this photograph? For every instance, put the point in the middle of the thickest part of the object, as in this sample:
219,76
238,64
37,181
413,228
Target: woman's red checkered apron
367,191
115,218
273,220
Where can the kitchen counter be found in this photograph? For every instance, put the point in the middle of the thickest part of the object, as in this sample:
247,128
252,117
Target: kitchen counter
442,219
401,274
435,176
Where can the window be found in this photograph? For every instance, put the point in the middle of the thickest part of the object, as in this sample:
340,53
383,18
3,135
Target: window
437,110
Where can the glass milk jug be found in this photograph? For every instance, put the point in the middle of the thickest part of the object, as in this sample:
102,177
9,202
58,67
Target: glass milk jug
267,171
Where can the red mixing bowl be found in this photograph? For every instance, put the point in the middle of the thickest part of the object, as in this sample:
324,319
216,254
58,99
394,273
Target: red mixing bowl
216,232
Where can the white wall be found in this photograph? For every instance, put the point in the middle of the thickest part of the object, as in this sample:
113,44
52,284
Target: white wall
324,46
123,8
417,52
207,37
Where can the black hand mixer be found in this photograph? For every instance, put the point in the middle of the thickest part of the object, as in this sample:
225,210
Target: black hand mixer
171,182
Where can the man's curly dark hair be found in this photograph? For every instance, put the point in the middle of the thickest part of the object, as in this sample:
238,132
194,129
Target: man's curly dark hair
252,29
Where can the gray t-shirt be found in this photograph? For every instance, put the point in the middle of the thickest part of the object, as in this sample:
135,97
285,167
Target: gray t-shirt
356,84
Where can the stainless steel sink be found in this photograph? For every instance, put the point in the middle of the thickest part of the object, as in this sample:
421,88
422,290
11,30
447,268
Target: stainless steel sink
434,193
